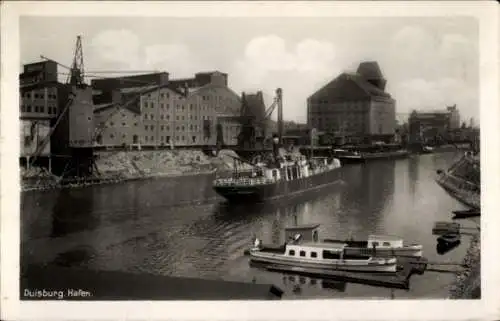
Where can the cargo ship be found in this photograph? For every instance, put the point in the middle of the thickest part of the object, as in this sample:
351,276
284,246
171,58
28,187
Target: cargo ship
280,176
463,180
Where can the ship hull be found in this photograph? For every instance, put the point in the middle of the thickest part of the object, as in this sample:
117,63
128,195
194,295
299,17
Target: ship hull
365,157
281,189
467,198
340,265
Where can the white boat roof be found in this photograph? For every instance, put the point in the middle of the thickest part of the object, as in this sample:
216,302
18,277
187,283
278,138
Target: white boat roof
319,245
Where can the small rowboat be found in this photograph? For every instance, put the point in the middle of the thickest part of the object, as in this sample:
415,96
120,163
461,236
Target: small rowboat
450,238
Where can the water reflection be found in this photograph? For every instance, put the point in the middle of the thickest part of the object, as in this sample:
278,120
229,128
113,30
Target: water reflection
298,282
73,212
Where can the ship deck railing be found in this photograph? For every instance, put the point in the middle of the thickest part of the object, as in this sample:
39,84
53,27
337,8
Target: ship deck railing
243,181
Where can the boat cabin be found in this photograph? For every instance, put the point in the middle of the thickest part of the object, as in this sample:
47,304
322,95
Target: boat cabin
316,251
378,241
308,232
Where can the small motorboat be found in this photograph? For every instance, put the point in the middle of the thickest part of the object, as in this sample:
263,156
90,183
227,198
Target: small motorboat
449,238
306,251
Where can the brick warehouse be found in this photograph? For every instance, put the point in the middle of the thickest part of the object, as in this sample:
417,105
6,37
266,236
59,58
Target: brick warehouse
354,106
163,112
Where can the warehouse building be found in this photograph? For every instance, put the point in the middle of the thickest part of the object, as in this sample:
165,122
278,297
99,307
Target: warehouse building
354,107
182,112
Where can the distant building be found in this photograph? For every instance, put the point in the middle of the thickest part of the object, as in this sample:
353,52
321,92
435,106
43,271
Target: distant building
255,125
354,106
432,125
39,101
182,112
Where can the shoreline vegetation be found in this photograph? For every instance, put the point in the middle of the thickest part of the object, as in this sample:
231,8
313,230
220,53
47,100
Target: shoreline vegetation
118,166
467,284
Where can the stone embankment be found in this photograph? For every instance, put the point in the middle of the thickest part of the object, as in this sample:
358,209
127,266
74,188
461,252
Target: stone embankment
467,284
118,166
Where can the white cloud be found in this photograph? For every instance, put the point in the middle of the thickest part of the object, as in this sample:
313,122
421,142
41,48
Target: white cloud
115,46
122,50
299,70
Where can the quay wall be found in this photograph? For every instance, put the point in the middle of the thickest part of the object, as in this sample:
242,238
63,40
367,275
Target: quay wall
119,166
467,284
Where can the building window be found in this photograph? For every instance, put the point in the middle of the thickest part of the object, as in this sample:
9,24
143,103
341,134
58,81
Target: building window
291,253
302,253
168,105
162,127
135,124
145,104
28,108
123,124
168,139
161,117
152,116
162,105
145,127
182,128
177,128
152,138
111,136
314,254
194,139
177,117
168,117
135,139
146,137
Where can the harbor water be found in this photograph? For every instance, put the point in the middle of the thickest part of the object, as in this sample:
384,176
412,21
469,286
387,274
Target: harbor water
179,227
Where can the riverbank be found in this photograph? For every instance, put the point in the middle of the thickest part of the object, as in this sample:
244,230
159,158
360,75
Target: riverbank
119,166
467,284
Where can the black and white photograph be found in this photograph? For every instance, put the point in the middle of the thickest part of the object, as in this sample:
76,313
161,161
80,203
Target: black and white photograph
203,152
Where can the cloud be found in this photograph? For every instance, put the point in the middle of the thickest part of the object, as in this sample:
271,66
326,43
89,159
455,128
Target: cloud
268,63
422,94
115,46
123,50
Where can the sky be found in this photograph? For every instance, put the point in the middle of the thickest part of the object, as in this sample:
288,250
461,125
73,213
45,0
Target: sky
429,62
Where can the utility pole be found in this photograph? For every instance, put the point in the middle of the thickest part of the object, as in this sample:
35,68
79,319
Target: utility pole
279,95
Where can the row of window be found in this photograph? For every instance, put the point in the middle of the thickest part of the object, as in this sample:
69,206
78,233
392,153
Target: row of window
167,117
167,128
29,95
303,253
179,107
51,110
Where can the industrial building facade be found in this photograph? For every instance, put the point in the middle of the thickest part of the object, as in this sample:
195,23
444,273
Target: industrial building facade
38,107
184,112
431,125
354,106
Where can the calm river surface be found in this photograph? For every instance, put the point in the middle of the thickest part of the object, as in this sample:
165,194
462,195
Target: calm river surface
154,226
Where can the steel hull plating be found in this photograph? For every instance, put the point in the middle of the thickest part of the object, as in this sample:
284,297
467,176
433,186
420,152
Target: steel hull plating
342,265
283,188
